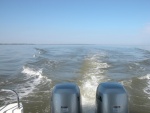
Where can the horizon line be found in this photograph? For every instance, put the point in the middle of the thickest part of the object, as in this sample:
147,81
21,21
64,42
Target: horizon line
73,44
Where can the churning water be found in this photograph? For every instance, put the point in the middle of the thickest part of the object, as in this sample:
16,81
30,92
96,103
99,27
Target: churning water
33,70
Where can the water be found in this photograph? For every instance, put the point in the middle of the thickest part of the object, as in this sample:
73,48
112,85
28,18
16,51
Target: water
32,70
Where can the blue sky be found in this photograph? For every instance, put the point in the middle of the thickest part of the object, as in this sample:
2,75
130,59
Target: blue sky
75,21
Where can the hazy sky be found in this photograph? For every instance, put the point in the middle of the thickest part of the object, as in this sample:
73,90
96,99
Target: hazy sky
75,21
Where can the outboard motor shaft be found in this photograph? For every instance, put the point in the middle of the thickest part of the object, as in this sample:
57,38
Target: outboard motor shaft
65,98
111,98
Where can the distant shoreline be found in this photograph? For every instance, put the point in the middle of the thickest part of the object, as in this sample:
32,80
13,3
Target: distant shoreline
15,44
42,44
75,44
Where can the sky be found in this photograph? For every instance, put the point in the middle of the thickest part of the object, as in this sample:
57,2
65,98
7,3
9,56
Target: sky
75,21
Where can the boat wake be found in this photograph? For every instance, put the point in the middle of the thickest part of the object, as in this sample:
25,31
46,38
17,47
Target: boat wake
34,78
93,74
147,88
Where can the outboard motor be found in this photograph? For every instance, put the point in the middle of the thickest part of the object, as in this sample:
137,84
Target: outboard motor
65,98
111,98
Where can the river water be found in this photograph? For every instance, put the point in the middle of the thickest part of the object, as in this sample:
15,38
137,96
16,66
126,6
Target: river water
33,70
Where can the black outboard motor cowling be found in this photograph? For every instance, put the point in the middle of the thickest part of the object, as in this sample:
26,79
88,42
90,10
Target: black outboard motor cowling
66,98
111,97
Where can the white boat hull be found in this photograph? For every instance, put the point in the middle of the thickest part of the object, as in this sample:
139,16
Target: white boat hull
11,108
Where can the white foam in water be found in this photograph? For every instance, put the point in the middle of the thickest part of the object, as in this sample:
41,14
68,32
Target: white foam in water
145,77
5,90
34,56
90,82
146,89
34,78
30,71
88,95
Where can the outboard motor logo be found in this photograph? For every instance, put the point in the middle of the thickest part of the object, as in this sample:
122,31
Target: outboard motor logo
64,109
116,109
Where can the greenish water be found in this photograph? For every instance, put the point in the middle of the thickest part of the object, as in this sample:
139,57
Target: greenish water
33,70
